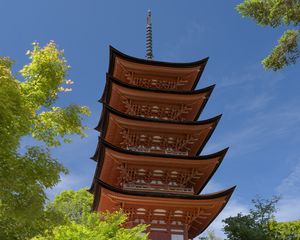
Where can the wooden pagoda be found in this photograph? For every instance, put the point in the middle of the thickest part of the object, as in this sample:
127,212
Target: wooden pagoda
148,154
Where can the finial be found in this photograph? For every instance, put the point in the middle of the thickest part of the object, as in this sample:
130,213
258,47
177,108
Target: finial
149,53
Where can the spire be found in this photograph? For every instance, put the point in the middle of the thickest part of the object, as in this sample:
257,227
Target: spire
149,53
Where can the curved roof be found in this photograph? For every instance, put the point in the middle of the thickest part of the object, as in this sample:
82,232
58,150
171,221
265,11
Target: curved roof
205,165
207,206
223,193
194,69
119,128
108,109
135,100
106,144
113,52
184,92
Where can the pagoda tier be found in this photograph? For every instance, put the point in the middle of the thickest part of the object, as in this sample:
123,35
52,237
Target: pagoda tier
155,135
153,103
169,215
155,74
154,172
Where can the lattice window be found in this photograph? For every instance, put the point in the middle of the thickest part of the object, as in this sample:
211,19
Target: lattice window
156,110
151,179
175,219
158,82
161,143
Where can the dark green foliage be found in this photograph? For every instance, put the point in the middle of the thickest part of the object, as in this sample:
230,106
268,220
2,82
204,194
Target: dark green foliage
243,227
253,226
276,13
285,53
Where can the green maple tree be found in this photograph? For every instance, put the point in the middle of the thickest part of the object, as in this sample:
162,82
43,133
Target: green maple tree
27,108
77,222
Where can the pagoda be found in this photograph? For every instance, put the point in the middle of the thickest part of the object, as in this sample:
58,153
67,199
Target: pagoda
149,161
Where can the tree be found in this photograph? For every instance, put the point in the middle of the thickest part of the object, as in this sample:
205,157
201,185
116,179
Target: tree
253,226
72,204
81,223
276,13
27,108
284,230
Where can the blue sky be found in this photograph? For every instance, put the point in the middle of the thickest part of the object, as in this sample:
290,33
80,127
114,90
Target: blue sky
261,115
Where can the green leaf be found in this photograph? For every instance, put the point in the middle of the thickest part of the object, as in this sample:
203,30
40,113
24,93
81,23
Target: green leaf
285,53
27,108
276,13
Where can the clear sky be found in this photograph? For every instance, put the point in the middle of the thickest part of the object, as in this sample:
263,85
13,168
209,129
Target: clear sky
261,115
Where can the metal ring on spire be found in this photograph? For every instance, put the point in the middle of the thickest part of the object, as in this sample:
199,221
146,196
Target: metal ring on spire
149,53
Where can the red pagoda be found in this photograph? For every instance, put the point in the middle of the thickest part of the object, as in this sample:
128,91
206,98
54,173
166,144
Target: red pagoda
148,154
